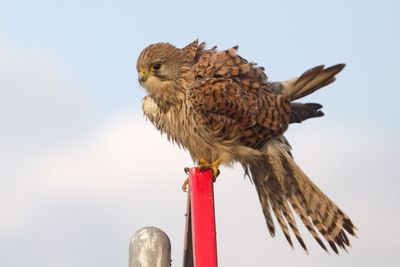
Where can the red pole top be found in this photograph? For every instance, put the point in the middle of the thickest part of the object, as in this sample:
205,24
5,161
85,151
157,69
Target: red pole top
203,218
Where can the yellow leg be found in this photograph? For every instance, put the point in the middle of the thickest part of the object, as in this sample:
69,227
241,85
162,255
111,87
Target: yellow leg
204,165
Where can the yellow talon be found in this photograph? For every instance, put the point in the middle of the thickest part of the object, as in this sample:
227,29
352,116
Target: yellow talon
185,185
204,165
203,162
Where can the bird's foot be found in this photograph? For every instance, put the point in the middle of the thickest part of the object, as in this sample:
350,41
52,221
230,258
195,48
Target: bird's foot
204,165
186,182
185,185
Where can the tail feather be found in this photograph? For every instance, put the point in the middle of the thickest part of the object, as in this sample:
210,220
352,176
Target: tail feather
281,183
305,219
292,223
278,208
281,211
265,204
279,186
310,81
298,202
306,78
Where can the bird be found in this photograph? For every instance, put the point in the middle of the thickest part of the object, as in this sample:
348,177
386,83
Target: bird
223,109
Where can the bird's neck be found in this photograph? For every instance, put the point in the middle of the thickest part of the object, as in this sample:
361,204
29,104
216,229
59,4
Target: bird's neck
165,103
172,94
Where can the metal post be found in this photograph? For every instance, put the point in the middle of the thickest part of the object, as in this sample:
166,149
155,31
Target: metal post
150,247
203,218
188,242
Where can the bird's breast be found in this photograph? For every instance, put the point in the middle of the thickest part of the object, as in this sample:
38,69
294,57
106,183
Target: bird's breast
179,124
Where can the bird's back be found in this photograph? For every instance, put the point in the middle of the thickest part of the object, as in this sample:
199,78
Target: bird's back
232,100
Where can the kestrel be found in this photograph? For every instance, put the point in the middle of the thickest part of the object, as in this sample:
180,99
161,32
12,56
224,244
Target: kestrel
223,109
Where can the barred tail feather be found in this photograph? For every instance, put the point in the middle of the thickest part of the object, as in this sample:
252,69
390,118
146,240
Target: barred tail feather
282,187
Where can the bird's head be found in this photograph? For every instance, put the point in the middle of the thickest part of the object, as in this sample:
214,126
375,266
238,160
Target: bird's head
158,65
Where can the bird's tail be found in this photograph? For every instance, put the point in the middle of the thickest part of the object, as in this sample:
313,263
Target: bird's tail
282,187
310,81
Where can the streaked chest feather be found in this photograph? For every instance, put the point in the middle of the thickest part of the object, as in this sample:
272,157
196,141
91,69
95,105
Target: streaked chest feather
179,125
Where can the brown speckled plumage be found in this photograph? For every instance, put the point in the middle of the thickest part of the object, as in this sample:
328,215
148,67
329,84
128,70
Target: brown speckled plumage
217,105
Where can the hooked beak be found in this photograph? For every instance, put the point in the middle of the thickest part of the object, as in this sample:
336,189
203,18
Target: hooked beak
142,77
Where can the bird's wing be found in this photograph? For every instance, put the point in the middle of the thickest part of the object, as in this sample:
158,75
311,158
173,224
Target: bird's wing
310,81
231,99
304,111
229,65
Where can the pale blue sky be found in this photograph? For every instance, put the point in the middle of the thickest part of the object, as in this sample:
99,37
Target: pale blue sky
74,179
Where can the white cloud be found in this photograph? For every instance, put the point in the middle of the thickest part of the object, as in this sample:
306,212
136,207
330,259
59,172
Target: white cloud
123,168
124,176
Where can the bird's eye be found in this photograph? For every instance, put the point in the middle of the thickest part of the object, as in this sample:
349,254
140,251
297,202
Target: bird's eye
155,66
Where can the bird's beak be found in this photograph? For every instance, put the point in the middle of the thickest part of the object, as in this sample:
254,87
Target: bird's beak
142,76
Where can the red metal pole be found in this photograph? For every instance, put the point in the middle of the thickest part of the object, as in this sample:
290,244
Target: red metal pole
203,218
